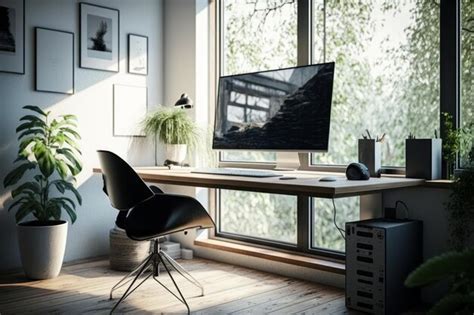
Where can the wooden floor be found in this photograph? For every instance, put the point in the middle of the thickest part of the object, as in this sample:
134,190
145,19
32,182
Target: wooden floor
84,287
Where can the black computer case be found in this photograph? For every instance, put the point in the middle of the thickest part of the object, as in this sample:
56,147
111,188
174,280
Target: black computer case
380,253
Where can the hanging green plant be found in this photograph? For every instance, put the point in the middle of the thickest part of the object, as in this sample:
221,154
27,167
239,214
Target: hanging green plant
47,146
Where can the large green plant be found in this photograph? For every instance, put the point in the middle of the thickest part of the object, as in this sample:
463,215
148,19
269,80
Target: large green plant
47,146
171,125
455,266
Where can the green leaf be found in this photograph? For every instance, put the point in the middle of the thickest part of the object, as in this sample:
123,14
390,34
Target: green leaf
35,109
14,176
71,187
33,119
69,155
69,117
62,169
29,125
24,210
441,267
19,201
72,132
32,131
28,186
453,304
45,158
70,212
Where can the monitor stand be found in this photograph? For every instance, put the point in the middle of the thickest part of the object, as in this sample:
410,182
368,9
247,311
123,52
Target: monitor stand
287,161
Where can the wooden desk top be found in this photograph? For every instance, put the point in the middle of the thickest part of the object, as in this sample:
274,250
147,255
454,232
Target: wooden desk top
307,183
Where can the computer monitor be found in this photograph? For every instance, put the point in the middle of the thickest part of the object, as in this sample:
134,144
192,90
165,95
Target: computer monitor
277,110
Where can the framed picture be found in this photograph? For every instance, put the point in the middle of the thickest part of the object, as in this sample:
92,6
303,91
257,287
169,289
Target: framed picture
12,36
99,37
137,54
54,61
130,107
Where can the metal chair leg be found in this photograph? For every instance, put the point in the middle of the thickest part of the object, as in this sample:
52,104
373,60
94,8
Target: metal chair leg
120,284
183,272
142,269
183,300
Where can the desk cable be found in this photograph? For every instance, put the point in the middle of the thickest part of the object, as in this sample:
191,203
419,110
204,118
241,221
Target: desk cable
342,231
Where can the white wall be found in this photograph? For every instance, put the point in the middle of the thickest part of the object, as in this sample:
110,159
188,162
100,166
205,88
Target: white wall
92,103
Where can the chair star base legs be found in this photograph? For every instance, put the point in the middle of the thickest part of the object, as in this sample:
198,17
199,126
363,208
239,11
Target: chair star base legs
150,267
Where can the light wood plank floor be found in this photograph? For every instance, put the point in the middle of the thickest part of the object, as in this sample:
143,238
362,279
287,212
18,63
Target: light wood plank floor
84,287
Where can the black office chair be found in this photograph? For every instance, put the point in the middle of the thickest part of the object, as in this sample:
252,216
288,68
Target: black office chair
146,213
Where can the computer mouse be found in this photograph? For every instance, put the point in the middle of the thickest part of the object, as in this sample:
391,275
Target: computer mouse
357,171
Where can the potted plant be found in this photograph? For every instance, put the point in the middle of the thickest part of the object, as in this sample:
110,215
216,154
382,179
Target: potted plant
49,151
174,128
455,141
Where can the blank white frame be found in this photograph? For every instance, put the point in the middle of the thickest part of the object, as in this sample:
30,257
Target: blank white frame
54,61
130,108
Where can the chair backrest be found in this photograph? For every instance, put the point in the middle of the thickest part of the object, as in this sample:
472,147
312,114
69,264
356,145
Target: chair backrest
121,183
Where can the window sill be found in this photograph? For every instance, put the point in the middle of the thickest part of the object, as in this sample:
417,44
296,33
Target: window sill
287,258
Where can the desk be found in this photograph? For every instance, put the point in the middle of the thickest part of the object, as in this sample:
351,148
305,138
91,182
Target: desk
307,183
305,186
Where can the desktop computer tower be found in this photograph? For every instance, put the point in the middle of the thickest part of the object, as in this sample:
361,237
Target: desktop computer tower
380,253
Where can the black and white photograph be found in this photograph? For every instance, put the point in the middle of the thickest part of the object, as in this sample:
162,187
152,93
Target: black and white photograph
99,44
137,54
54,61
99,37
12,19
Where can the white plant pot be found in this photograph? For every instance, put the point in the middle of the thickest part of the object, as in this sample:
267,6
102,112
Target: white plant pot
176,152
42,248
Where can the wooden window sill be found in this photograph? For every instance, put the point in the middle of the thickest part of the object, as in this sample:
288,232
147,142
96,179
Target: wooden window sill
287,258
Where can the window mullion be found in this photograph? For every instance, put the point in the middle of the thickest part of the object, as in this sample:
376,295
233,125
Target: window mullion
450,48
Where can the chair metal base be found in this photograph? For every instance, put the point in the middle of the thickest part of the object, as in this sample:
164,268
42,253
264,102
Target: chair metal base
150,267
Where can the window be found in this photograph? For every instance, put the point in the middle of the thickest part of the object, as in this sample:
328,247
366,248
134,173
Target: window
259,215
467,65
388,79
256,36
387,73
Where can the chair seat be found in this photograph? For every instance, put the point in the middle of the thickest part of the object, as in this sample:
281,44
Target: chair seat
164,214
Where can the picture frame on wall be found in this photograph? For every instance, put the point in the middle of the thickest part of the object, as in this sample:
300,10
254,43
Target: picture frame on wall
99,37
130,108
138,54
12,36
54,56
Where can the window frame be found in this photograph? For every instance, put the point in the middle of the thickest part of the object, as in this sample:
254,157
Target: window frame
450,102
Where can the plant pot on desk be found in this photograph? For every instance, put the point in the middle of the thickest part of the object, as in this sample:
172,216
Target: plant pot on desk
423,158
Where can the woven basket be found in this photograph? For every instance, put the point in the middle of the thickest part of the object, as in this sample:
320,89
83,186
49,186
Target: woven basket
126,254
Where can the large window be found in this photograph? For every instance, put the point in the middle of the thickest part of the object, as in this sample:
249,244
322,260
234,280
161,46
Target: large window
387,73
387,80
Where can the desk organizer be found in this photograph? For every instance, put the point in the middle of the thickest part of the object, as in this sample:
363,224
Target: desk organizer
370,154
423,158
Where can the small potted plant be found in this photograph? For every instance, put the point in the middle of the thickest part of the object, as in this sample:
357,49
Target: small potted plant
455,142
49,152
370,153
174,128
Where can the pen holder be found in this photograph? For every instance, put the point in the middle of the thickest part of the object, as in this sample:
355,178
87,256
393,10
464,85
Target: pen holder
370,154
423,158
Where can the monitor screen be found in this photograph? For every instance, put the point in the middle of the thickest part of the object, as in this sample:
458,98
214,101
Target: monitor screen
277,110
